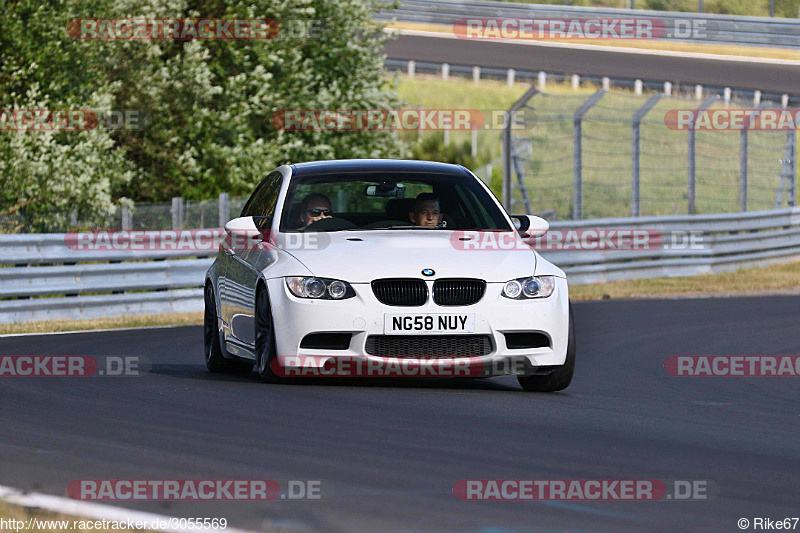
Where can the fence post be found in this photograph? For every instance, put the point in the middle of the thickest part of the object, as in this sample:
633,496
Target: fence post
177,213
506,145
692,188
577,155
474,151
792,200
127,222
224,208
743,169
637,120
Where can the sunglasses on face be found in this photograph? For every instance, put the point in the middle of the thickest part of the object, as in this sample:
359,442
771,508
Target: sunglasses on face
319,212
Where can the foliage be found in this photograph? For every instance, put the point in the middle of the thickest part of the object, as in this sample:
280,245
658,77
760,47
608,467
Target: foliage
208,103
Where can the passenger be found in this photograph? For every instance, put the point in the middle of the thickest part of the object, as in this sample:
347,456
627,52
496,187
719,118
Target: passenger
426,210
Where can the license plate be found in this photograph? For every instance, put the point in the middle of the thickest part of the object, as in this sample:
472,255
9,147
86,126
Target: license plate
422,324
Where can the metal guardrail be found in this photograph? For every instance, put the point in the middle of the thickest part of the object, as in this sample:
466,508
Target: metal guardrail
723,242
45,279
718,29
48,277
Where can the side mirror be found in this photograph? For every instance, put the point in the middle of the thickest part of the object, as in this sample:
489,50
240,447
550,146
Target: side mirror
531,225
241,234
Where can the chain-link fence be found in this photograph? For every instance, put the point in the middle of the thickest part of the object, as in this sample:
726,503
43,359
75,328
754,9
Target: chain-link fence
613,154
177,214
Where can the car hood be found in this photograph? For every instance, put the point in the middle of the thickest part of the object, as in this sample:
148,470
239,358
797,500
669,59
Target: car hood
362,256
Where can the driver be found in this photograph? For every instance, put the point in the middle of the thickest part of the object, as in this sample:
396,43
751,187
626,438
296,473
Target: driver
314,207
426,210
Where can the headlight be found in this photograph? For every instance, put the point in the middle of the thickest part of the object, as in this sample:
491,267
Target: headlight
319,288
533,287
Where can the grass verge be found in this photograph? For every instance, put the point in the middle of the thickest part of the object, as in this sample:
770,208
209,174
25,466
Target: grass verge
783,278
47,522
135,321
672,46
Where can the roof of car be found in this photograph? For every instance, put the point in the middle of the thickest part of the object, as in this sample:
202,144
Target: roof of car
375,165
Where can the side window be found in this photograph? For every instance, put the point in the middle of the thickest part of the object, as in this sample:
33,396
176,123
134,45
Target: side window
264,200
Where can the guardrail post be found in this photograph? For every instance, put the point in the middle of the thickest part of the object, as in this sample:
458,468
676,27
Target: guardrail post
127,221
577,153
177,213
667,89
542,79
726,96
575,82
637,87
606,84
224,208
445,71
412,68
510,77
692,188
636,151
476,75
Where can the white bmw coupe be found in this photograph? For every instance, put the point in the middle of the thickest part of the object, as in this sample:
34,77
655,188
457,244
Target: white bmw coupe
386,261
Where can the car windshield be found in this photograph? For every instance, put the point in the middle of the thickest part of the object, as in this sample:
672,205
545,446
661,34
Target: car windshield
398,201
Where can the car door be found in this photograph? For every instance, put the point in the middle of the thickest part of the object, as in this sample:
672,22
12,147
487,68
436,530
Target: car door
244,266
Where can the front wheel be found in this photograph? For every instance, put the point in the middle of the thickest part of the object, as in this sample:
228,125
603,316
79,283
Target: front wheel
560,378
265,338
215,362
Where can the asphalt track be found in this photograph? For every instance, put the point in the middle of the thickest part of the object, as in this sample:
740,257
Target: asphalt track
392,451
774,78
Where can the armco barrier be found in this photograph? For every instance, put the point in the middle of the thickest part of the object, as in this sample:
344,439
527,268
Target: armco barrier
44,279
724,242
719,29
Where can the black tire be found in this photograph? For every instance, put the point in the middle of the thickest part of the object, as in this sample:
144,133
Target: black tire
265,338
561,377
213,350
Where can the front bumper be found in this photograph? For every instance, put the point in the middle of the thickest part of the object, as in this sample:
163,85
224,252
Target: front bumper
363,315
